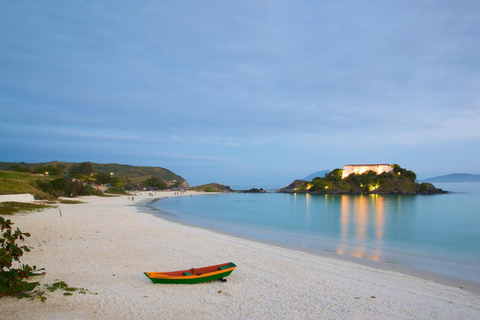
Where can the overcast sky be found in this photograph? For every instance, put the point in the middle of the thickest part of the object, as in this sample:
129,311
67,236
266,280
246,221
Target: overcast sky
242,92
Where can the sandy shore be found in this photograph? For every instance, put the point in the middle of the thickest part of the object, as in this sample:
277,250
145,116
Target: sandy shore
105,245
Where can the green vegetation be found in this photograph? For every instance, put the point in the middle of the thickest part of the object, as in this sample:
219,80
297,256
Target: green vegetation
206,189
18,176
70,201
84,168
212,187
400,180
11,207
11,277
117,175
49,181
155,183
17,186
43,187
116,190
60,285
66,187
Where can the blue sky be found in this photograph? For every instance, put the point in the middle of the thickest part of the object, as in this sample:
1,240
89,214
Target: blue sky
242,92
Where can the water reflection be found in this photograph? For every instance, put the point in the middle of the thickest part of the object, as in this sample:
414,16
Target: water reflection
344,216
362,217
307,205
379,216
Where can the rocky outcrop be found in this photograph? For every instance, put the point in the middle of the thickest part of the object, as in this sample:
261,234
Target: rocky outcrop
212,187
185,185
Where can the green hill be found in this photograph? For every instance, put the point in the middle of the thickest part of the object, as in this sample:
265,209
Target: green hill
132,175
212,187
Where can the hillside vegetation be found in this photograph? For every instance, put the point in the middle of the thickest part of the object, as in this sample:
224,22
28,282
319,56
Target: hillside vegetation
117,175
399,181
43,187
212,187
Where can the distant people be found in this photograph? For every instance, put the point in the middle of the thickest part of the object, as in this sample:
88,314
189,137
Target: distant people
132,198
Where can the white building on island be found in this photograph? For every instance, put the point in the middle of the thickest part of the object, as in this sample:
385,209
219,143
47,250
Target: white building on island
362,168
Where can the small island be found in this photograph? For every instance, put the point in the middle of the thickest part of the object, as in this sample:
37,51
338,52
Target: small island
211,187
216,187
364,179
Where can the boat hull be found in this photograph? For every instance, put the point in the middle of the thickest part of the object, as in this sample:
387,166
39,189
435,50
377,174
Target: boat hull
192,276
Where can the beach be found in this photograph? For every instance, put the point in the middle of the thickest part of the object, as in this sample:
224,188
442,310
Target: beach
106,243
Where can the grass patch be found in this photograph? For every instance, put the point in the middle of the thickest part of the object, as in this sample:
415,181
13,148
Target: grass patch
21,176
70,201
60,285
11,207
19,186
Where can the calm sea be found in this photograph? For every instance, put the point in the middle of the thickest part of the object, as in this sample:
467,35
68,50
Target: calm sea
438,233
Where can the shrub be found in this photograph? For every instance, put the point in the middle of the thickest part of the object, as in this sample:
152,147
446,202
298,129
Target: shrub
117,190
11,278
85,168
335,175
155,183
66,187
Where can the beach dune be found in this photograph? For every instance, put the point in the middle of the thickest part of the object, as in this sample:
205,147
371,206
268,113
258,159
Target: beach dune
105,245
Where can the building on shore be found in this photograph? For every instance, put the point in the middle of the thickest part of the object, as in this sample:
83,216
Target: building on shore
362,168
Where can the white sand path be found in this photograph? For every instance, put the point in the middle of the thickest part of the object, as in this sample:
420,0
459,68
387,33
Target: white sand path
106,244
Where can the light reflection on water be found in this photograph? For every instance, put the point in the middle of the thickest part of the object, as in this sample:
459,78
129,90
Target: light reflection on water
427,232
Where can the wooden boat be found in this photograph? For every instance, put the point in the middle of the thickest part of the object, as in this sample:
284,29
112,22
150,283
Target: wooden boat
27,284
194,275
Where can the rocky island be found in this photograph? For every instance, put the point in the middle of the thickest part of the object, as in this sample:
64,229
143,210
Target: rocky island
216,187
212,187
364,179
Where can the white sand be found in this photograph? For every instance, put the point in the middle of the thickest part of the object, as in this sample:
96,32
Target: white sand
105,245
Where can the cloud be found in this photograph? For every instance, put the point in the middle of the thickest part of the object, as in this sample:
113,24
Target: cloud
232,144
238,81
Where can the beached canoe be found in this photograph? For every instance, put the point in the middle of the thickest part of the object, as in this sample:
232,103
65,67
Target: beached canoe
27,284
194,275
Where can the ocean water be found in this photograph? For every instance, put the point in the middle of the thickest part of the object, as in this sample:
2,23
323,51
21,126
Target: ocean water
437,233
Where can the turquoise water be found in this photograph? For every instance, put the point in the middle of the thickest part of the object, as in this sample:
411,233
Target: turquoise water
438,233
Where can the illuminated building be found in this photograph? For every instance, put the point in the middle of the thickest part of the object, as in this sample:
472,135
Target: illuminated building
362,168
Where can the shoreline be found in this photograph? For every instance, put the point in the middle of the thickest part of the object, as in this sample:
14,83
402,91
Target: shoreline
105,245
465,284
